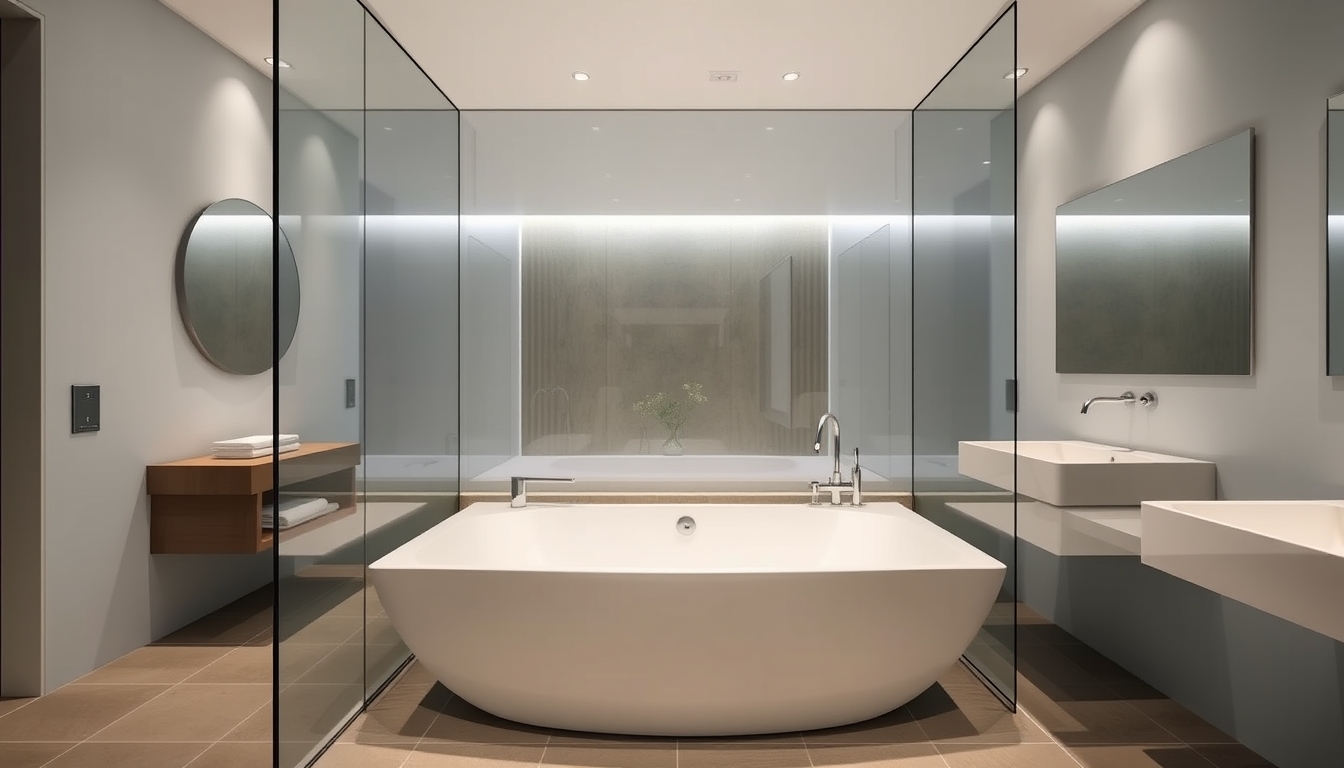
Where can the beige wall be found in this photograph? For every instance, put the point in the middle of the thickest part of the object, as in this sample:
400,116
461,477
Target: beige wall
618,308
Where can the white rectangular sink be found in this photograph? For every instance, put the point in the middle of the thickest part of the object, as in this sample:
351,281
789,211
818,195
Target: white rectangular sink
1074,473
1284,557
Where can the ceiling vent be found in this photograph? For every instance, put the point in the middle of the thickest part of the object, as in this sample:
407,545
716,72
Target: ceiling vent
723,77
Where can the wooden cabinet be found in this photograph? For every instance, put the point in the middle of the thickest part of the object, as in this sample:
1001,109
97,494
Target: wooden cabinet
207,505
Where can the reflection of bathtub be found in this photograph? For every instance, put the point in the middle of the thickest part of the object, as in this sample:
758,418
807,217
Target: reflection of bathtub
763,618
413,474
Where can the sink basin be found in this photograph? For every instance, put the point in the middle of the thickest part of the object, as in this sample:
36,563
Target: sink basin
1074,473
1284,557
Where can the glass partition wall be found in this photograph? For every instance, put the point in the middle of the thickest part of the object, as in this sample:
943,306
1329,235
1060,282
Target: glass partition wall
964,315
686,283
367,184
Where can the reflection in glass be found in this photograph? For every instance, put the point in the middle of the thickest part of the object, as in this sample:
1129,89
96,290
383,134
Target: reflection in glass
1153,273
367,151
964,299
1334,209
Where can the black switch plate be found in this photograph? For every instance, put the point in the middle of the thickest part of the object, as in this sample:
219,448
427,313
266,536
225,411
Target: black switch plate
84,408
349,393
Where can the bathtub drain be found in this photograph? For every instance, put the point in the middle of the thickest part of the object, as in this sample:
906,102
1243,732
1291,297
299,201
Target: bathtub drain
686,526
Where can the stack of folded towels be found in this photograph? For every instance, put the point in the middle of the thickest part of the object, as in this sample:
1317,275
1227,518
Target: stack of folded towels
295,511
254,446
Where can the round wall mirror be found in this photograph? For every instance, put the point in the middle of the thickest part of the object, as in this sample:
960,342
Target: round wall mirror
224,273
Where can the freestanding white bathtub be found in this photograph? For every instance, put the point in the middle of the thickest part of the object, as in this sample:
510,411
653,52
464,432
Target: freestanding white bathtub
616,618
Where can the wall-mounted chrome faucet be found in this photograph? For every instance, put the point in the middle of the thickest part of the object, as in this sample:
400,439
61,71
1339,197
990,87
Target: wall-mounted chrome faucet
1148,400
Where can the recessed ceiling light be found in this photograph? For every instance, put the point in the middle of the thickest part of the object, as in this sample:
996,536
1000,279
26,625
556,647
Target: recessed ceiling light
737,199
597,127
1016,73
580,76
387,127
769,127
272,61
959,128
615,199
791,76
985,162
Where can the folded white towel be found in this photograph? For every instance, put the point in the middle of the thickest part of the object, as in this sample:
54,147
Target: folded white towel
296,511
254,441
252,453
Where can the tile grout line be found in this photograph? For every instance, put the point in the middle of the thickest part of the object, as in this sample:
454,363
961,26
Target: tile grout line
1050,736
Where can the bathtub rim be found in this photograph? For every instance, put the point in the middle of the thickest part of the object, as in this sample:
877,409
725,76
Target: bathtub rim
982,560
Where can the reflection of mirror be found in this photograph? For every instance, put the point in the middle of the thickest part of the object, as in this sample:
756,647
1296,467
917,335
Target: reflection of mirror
1153,273
1334,226
776,370
224,270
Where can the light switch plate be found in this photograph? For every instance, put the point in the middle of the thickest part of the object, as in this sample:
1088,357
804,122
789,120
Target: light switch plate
349,393
84,408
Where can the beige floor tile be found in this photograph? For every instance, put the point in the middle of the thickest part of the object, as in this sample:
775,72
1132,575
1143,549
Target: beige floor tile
343,665
475,756
876,755
1077,723
234,755
74,713
310,713
219,629
415,686
896,727
29,754
245,664
656,755
257,727
156,664
8,705
389,725
460,722
1005,756
741,756
297,658
326,630
364,756
962,712
1232,756
140,755
189,713
1139,756
1181,722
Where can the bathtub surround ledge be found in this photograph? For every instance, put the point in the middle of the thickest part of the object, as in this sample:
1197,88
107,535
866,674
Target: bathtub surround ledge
688,497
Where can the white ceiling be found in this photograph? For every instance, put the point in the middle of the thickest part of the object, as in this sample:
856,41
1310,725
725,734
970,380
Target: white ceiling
518,54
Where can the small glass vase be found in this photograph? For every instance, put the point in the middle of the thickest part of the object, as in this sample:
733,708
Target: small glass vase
672,446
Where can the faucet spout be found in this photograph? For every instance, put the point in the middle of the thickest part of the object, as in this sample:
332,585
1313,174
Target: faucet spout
835,448
1126,398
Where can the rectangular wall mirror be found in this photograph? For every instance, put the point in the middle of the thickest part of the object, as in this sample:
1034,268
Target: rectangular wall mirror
1334,227
1153,273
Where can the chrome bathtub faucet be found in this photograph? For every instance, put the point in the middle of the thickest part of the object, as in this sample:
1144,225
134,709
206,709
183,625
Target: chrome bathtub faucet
1147,401
518,488
836,484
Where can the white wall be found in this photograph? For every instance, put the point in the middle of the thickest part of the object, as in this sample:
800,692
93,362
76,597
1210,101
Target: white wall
1173,76
147,121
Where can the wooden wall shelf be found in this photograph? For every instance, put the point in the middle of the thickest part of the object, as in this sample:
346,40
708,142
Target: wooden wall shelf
207,505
